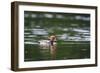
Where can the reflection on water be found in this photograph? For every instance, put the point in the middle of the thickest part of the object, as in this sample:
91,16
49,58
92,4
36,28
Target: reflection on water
72,32
79,34
39,32
38,45
66,50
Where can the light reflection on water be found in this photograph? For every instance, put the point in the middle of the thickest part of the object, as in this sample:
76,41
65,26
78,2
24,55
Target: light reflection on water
38,45
72,32
81,35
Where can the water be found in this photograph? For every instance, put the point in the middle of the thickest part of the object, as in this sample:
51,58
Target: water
69,50
71,30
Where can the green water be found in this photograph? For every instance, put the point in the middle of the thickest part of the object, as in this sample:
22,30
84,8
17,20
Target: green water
64,52
71,29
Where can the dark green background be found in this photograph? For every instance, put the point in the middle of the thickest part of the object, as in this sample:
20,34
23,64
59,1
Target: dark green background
60,24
